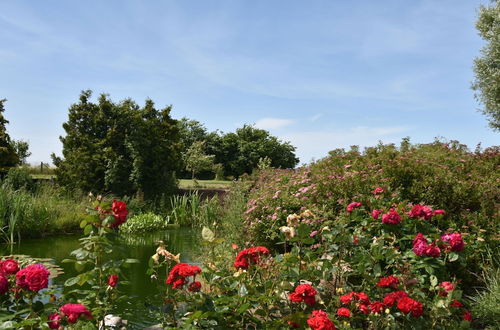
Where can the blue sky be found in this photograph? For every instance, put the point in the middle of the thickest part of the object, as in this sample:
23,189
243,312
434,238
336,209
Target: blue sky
320,74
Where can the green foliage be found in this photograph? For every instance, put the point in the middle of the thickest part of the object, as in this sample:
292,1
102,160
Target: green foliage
119,148
197,160
22,150
445,175
145,222
487,67
19,177
8,156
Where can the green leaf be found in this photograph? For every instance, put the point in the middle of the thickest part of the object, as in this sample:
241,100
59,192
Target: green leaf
83,223
434,280
71,281
87,230
453,256
207,234
80,266
243,290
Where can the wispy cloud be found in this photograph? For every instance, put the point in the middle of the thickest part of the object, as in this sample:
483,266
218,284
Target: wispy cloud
273,123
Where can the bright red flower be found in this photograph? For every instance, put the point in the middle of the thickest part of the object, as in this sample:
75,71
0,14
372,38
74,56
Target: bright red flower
376,307
376,214
421,211
250,256
363,297
319,320
194,286
447,287
467,316
305,293
388,282
408,305
113,280
33,277
10,266
4,284
352,206
457,304
438,212
432,251
347,298
455,241
54,321
364,308
177,276
393,297
391,218
342,311
120,213
74,311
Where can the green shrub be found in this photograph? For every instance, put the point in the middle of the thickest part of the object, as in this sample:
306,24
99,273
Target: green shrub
19,177
146,222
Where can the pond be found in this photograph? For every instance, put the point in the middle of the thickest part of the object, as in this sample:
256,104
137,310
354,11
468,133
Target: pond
138,246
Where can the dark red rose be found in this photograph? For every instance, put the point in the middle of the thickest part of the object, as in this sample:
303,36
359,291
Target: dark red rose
74,311
304,293
4,284
319,320
342,311
408,305
54,321
10,266
33,277
113,280
194,286
120,213
391,218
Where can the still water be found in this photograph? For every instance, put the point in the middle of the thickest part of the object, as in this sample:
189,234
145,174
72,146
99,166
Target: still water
138,246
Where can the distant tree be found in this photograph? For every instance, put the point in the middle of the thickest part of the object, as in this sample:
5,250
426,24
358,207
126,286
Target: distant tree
242,150
191,131
119,148
8,156
197,160
22,150
487,67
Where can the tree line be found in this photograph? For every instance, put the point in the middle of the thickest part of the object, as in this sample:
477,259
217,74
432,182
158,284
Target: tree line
124,149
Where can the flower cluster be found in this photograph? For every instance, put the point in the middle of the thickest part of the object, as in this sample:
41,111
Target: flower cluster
179,273
392,217
453,242
33,277
305,293
250,256
352,206
388,282
422,248
70,313
319,320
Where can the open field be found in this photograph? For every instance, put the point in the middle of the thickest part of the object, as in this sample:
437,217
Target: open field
214,184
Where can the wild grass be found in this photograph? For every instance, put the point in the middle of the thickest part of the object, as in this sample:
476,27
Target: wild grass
486,303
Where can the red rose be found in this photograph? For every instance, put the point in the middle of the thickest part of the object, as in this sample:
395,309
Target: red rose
447,286
178,274
378,190
439,212
305,293
391,218
33,277
352,206
432,251
467,316
364,308
194,286
319,320
388,282
376,213
10,266
363,297
392,297
250,256
4,284
376,307
457,304
342,311
421,211
455,242
408,305
53,321
113,280
120,213
347,298
74,311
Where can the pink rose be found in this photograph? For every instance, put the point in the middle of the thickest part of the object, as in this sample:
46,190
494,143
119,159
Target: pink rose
352,206
74,311
391,218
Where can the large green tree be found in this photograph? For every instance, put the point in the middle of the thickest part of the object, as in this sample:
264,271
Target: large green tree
8,156
487,67
119,148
